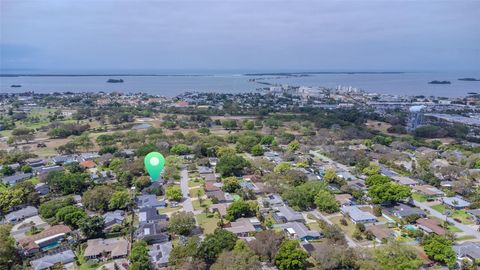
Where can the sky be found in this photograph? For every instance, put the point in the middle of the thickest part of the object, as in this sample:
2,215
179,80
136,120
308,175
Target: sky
261,35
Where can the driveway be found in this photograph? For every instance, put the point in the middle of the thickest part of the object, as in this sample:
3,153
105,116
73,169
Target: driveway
187,203
467,230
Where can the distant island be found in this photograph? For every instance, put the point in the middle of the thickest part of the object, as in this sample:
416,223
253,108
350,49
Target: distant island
469,79
440,82
15,85
115,81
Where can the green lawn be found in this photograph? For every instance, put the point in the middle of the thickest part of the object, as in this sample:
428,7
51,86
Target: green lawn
349,229
453,229
419,197
169,209
192,183
465,237
197,206
208,224
461,215
194,192
314,226
439,208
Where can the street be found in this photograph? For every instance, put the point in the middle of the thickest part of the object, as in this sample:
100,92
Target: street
187,203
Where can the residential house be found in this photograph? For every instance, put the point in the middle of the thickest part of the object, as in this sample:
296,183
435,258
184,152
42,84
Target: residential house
88,164
16,178
160,253
403,180
42,189
89,156
273,200
149,200
112,248
242,227
299,231
64,159
22,227
213,161
286,214
357,215
468,250
35,162
381,232
152,233
43,171
220,207
204,170
150,215
220,196
475,213
19,215
456,202
211,186
344,199
210,177
402,211
113,218
429,226
49,261
428,190
44,240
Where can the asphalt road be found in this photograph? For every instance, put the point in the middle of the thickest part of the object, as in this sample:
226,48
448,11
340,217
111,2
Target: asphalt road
187,203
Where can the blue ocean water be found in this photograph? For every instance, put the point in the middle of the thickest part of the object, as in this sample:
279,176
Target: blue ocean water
409,83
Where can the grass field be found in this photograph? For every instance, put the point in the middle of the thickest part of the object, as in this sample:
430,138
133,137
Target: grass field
197,206
419,197
349,229
169,209
461,215
208,224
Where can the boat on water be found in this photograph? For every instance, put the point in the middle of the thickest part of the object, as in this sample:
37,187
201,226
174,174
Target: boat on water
115,81
440,82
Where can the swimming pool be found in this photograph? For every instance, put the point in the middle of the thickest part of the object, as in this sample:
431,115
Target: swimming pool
410,227
50,246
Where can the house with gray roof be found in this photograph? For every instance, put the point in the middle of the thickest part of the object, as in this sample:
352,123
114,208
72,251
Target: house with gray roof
46,170
152,233
149,200
113,218
49,261
357,215
204,170
468,250
35,162
273,200
160,253
456,202
19,215
65,159
150,215
298,231
16,178
402,210
287,214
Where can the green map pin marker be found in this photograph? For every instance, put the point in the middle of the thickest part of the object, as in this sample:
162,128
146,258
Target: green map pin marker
154,162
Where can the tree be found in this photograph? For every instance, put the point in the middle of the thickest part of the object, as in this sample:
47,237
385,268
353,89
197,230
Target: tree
266,244
92,227
215,243
335,257
326,202
119,200
8,253
237,260
231,184
63,183
23,134
377,210
290,256
229,165
388,192
71,215
180,149
330,175
282,167
225,150
139,256
48,209
303,197
249,124
181,223
257,150
267,140
26,168
203,130
83,141
372,169
241,208
7,170
295,177
376,179
98,198
293,146
396,256
174,193
440,249
180,252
